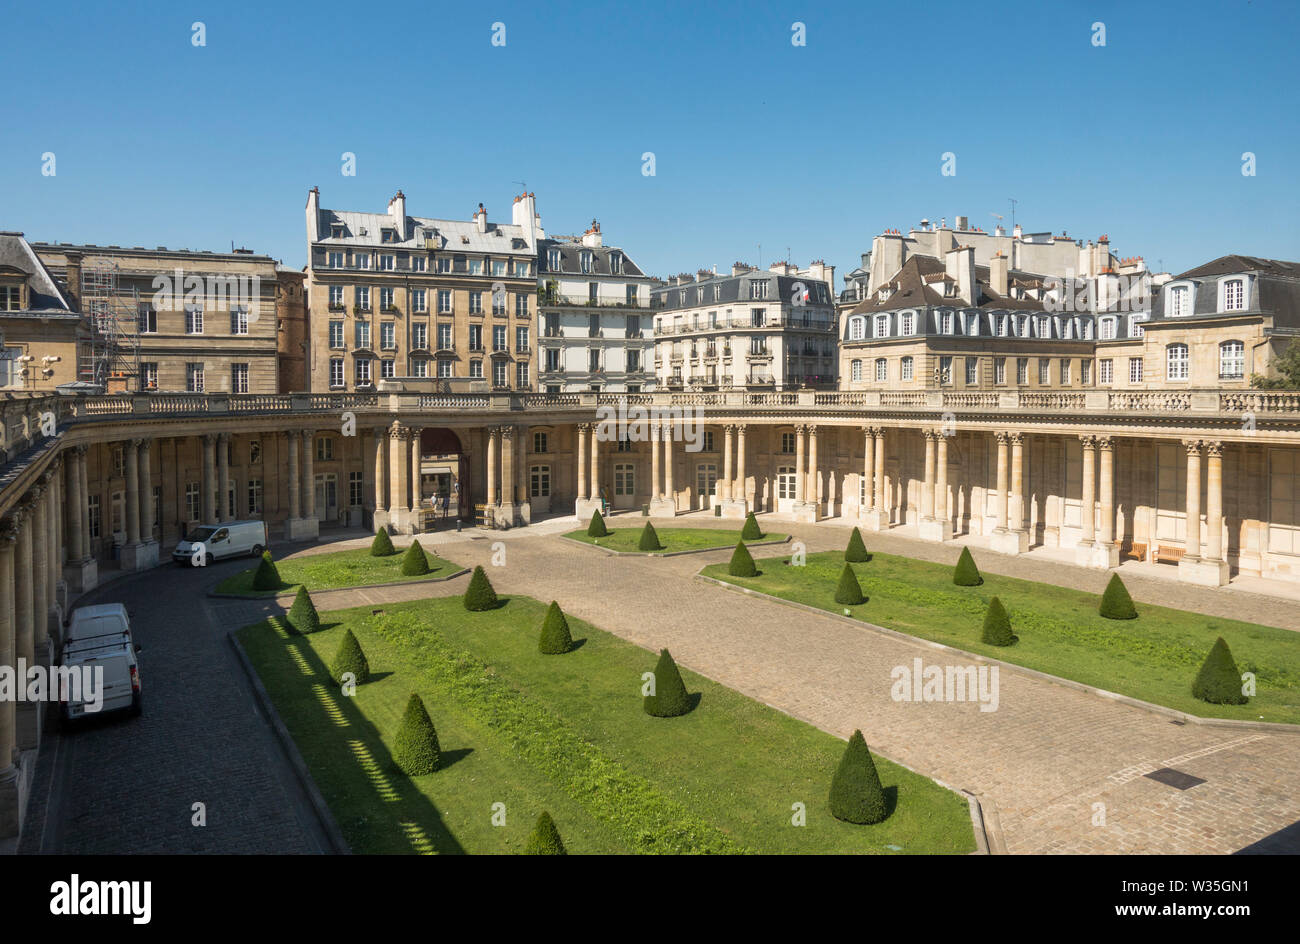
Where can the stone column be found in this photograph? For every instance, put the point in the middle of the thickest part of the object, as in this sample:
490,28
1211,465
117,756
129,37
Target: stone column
1193,542
380,517
927,486
209,478
742,479
27,714
868,470
1107,549
814,473
1010,536
493,447
295,481
1088,500
1214,501
399,469
1211,570
140,551
88,548
937,527
416,494
655,494
1017,499
53,553
509,460
806,506
581,433
309,474
877,519
38,529
146,492
224,511
595,462
9,806
76,500
1002,440
664,502
131,448
727,470
670,493
799,482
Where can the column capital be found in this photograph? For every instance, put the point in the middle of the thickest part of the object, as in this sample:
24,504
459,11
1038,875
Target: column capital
1089,442
1214,449
144,443
507,433
306,434
582,428
729,427
1002,438
137,441
1105,443
221,437
1016,439
80,450
811,428
398,432
801,428
1193,447
210,439
740,428
8,532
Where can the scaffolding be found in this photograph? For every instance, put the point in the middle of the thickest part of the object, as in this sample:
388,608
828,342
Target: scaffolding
113,358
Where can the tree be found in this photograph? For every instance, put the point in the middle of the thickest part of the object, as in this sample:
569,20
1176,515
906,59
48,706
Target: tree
966,574
849,591
350,658
382,545
856,551
856,794
670,698
751,531
1219,681
267,576
997,625
555,639
415,749
414,561
479,595
303,618
597,527
1287,366
649,539
545,838
1116,604
742,562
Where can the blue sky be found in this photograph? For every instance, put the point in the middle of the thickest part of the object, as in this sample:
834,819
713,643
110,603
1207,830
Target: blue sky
815,148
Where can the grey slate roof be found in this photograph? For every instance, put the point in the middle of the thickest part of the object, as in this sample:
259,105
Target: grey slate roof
1276,290
735,289
450,235
570,259
44,293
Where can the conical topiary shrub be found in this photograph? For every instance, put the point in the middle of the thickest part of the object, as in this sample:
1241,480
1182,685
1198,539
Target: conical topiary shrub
670,698
350,658
751,531
997,625
1219,681
382,545
303,618
597,527
856,551
966,574
479,595
267,576
849,591
1116,604
415,749
545,838
649,539
742,562
414,561
555,639
856,794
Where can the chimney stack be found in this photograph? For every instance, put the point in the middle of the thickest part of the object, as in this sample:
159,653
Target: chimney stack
72,276
397,210
480,218
959,265
998,274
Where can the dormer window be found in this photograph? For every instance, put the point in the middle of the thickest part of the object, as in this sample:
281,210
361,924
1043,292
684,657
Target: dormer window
1107,330
11,297
387,235
338,230
973,323
1232,295
616,263
882,326
857,329
907,323
945,323
1179,301
758,289
586,263
553,260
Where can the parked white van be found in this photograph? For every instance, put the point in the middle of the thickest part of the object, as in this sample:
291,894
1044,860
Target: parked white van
99,645
232,539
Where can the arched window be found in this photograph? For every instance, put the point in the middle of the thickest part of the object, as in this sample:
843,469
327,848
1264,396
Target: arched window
1234,295
882,326
1176,362
882,369
855,370
1232,360
1179,301
1106,329
857,329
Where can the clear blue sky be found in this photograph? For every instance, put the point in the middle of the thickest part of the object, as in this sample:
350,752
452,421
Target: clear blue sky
816,148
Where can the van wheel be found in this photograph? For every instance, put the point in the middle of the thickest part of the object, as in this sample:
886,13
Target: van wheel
208,559
258,550
136,705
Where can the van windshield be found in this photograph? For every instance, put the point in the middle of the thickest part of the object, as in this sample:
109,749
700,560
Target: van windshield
202,535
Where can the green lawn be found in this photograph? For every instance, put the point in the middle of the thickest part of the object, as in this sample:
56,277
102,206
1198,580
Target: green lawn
1154,658
672,539
355,568
565,734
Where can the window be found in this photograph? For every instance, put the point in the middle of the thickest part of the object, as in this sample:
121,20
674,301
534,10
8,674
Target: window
553,260
634,360
521,305
239,378
336,298
1234,295
254,497
355,492
418,263
1065,370
388,335
363,370
708,441
254,451
593,360
1085,372
387,369
442,264
476,303
1107,329
973,323
498,337
624,478
193,319
361,260
521,339
363,298
1044,372
499,303
362,334
476,337
444,301
1232,360
787,444
336,371
1106,370
539,481
336,259
419,367
194,378
149,375
147,319
386,299
1022,370
336,334
419,299
945,370
882,326
882,369
445,367
552,359
907,368
444,337
324,449
855,370
758,289
1176,362
999,370
1179,301
786,485
1135,370
387,262
239,320
857,329
907,323
945,323
476,369
420,336
539,442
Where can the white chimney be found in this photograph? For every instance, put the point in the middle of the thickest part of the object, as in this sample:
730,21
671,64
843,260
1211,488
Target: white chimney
959,265
397,210
1015,231
998,274
591,238
480,218
524,215
313,217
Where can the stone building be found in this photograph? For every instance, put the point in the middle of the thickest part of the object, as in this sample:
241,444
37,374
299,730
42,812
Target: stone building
41,334
291,329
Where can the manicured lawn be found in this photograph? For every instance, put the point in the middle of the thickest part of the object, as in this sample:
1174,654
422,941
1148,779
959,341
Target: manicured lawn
1154,657
566,734
672,539
355,568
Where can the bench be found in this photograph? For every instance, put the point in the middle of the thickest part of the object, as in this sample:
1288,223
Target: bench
1131,550
1167,554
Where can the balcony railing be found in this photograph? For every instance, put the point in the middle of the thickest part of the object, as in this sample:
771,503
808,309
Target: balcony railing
557,300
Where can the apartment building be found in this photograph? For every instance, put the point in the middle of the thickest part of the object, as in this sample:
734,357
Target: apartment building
771,329
172,319
419,301
594,317
41,335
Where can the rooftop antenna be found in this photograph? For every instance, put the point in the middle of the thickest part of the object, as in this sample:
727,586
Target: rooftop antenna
760,255
522,185
1013,202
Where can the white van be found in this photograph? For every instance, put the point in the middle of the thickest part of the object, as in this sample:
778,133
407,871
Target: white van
99,640
232,539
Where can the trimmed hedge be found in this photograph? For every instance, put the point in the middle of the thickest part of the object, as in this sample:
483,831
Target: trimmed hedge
545,838
350,658
267,576
382,545
415,749
742,562
966,574
479,595
670,698
751,531
1116,604
856,794
1219,681
303,618
856,551
556,638
414,561
997,625
597,527
649,539
849,591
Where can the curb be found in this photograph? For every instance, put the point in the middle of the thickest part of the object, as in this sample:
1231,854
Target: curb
364,586
1163,711
609,552
321,808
